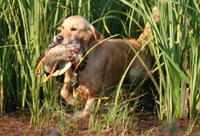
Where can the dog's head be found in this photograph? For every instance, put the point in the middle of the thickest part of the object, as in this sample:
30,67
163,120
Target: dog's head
77,27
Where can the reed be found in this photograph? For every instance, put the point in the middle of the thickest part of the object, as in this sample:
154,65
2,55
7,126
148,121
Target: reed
175,44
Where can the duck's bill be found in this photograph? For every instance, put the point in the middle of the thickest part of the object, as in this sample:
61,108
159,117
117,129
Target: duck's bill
63,67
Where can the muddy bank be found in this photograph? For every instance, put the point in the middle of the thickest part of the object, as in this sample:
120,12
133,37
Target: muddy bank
18,123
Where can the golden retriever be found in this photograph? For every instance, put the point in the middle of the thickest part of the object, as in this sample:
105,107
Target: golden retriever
106,63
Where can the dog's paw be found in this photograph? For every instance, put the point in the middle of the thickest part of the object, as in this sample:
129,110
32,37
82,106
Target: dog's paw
80,115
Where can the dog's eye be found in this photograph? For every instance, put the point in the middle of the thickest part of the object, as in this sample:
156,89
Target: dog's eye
63,27
73,29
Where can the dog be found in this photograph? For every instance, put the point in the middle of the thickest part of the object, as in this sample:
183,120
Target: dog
106,62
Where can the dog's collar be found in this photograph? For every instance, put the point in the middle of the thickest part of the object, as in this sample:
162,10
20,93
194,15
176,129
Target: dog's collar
75,78
74,81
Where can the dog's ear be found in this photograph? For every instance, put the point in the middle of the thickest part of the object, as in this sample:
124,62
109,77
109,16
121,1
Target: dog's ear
98,36
59,28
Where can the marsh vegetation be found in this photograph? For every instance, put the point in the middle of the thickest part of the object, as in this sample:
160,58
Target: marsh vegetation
27,27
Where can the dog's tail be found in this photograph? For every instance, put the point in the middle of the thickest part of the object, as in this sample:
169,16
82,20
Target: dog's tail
147,33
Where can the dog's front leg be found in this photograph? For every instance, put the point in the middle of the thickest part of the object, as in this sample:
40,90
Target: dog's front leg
66,94
86,110
66,91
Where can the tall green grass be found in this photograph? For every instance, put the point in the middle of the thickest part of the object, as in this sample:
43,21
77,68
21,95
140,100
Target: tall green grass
28,26
177,46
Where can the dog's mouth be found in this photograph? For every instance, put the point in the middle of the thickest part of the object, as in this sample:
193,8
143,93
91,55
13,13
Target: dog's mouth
74,41
59,58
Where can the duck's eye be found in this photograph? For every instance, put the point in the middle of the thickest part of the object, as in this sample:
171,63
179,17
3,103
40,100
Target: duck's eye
73,29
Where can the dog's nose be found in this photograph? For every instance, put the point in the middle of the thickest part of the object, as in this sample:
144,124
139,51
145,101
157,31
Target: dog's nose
59,38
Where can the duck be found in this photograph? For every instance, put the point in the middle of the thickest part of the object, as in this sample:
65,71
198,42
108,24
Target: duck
58,58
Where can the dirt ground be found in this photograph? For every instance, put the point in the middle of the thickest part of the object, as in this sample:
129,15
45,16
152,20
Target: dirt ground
18,123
